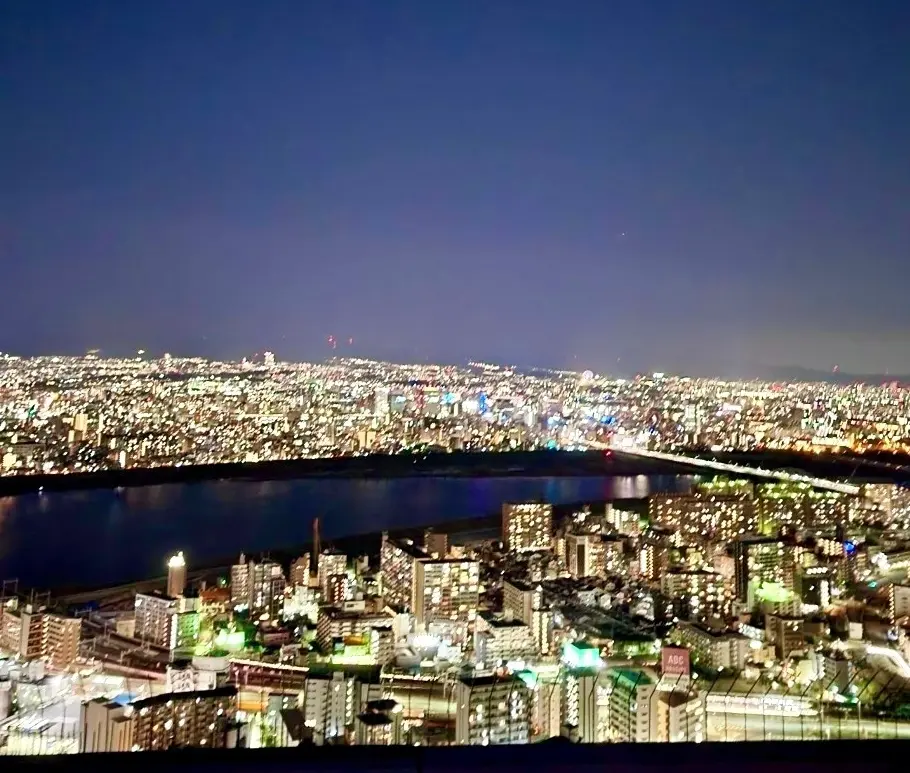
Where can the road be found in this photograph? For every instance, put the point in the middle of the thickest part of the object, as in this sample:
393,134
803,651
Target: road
735,469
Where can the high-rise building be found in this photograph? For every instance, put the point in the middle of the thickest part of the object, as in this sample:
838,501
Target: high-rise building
329,706
759,560
696,594
397,561
155,618
633,709
430,588
445,589
492,710
258,586
798,506
331,564
300,571
176,575
526,603
680,717
586,554
240,583
501,639
182,720
37,634
720,510
267,585
527,526
586,709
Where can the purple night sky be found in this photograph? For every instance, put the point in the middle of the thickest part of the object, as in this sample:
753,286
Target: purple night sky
698,186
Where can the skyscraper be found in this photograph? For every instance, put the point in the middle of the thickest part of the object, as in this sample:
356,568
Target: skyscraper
527,527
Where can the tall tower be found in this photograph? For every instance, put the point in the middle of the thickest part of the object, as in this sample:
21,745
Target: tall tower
176,575
317,546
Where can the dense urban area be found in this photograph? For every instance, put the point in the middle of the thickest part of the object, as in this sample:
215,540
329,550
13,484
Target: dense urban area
738,610
749,607
85,414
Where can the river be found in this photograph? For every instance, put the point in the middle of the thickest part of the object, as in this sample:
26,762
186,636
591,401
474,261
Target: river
100,537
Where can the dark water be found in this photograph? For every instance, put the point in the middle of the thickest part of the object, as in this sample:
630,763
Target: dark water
92,538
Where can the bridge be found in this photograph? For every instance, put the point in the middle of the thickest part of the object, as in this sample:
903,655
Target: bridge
734,469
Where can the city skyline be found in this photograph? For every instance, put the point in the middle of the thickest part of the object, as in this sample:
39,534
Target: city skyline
700,188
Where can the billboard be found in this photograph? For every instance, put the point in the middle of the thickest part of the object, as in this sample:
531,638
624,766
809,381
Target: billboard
674,661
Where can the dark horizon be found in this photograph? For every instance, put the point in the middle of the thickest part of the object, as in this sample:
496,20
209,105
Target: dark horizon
705,188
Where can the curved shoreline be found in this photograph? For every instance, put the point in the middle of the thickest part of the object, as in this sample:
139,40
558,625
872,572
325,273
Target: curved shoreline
461,464
449,465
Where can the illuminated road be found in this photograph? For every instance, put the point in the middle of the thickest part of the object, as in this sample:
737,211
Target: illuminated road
710,464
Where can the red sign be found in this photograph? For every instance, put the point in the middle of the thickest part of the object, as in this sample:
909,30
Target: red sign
674,661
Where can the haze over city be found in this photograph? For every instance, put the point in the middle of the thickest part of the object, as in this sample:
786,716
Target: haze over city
705,187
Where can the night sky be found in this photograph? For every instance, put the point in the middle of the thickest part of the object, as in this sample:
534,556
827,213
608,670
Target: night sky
706,187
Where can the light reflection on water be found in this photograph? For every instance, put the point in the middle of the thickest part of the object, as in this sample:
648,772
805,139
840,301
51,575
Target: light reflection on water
107,536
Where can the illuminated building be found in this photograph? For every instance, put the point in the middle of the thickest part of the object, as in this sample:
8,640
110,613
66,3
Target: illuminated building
585,710
785,633
527,526
328,706
300,570
240,583
816,584
720,510
715,650
492,710
154,618
593,555
654,558
758,560
338,587
331,564
446,589
546,690
501,639
798,506
381,402
334,623
397,559
184,720
259,586
696,594
176,575
40,635
680,717
632,706
525,602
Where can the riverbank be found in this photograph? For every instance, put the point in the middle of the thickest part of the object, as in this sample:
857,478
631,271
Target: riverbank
460,531
466,464
434,465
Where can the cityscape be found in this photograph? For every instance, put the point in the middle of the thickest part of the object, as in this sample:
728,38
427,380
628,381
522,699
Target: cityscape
63,415
753,605
441,387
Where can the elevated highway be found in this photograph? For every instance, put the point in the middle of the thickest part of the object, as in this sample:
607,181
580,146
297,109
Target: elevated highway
700,463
